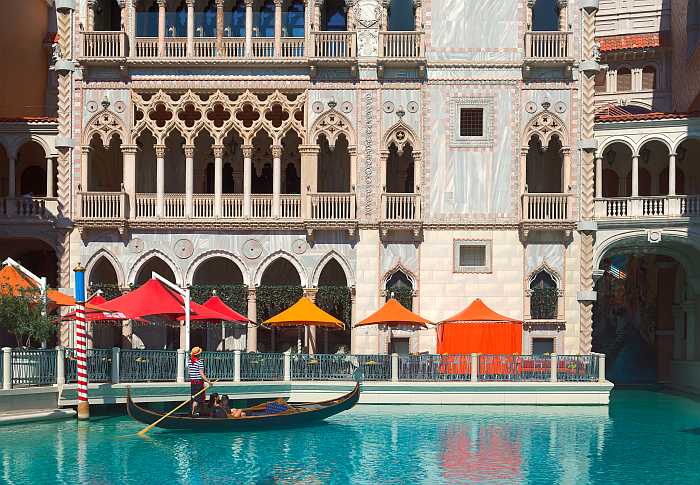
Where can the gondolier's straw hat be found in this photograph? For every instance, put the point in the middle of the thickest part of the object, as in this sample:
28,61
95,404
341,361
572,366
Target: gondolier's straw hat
196,351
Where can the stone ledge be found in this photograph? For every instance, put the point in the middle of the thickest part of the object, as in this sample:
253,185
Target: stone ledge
18,417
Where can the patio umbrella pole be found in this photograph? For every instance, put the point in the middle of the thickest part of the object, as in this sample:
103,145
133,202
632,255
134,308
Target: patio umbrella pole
186,298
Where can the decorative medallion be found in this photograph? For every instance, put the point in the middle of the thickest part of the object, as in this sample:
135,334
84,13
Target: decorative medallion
560,107
654,237
183,248
252,249
388,107
136,245
119,106
368,43
299,246
367,14
346,107
530,107
412,107
91,106
317,107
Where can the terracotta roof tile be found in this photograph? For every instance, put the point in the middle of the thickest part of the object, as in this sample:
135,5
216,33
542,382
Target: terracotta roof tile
631,41
30,119
614,117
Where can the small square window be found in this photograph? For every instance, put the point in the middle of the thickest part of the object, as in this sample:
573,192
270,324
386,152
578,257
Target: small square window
541,346
471,122
472,256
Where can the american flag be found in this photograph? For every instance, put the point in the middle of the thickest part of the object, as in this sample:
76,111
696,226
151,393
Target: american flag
617,272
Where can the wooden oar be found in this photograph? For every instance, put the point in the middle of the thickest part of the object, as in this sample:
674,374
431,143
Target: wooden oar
153,425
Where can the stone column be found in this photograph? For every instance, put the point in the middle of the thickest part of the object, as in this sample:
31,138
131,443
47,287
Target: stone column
309,169
219,27
248,28
566,161
278,28
90,21
189,179
310,293
190,28
523,171
84,168
635,176
353,318
352,151
672,174
123,15
599,177
129,178
132,28
160,180
49,176
218,178
419,16
11,183
248,178
276,179
161,28
252,338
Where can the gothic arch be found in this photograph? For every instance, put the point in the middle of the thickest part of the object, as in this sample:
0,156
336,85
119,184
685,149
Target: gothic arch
400,267
303,278
154,253
400,134
109,257
105,125
204,257
547,269
544,126
349,276
332,124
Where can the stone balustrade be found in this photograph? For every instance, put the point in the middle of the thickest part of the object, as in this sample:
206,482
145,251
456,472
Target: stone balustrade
401,45
104,45
401,207
547,207
37,208
334,45
549,46
661,206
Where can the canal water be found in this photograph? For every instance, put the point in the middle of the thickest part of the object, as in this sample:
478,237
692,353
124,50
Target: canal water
643,437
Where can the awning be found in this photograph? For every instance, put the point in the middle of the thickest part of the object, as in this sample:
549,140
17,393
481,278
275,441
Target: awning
304,312
394,313
13,282
478,312
94,312
217,304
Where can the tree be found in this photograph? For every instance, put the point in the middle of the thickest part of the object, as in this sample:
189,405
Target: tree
22,314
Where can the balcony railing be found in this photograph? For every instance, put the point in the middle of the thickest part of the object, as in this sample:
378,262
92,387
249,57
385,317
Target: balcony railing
175,47
401,45
549,46
663,206
104,45
401,207
102,205
332,207
233,48
28,207
292,47
205,47
547,207
232,206
263,47
146,206
146,47
334,45
203,206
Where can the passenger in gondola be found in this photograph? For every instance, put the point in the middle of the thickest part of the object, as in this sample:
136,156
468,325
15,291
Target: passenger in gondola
197,380
216,410
226,406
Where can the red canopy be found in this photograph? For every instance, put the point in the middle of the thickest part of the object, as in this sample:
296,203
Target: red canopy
153,298
479,329
96,301
217,304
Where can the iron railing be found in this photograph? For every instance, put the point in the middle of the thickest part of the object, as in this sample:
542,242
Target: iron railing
520,368
435,367
147,365
262,367
33,367
219,365
99,364
577,368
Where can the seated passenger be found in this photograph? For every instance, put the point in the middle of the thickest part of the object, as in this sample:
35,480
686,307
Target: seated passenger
212,403
217,411
226,406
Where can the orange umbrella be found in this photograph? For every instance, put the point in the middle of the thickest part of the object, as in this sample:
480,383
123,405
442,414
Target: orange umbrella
304,312
13,282
394,313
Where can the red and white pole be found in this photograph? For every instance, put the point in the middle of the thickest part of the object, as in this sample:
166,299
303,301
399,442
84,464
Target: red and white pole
81,343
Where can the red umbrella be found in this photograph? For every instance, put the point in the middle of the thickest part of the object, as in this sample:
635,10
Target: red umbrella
217,304
201,312
96,301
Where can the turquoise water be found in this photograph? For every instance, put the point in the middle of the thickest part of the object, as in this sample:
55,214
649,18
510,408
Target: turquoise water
643,437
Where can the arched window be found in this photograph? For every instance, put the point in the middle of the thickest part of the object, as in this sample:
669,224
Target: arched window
544,296
234,20
402,16
649,77
545,15
624,79
107,16
294,20
400,287
333,17
266,19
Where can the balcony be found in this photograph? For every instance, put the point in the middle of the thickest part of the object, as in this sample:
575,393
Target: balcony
547,212
549,48
401,212
27,209
650,207
104,46
401,45
333,46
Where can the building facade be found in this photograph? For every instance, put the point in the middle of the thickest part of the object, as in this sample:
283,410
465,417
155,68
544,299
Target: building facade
387,147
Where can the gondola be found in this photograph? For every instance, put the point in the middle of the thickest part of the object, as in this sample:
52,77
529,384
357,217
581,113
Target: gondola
269,415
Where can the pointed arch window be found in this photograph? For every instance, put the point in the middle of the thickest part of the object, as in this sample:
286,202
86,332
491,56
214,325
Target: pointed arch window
544,297
400,287
334,18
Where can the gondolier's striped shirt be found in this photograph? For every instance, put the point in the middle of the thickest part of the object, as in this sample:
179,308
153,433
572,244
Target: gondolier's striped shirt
195,367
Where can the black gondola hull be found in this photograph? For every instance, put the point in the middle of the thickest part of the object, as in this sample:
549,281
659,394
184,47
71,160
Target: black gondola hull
303,415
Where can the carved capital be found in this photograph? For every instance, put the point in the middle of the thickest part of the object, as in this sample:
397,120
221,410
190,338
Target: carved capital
278,3
160,151
309,149
190,3
161,3
251,294
247,151
276,151
219,3
218,151
129,148
91,4
248,3
189,151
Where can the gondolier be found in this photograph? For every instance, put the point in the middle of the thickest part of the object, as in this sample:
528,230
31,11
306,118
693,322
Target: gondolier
197,379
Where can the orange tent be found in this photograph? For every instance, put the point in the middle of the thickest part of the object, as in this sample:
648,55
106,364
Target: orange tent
304,312
394,313
478,329
12,281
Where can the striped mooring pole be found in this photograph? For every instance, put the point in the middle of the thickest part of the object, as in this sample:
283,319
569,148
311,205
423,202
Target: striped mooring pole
81,343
